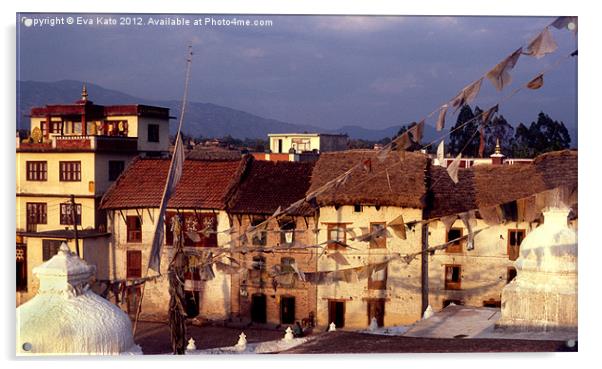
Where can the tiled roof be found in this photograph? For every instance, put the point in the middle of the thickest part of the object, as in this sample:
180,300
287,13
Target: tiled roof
204,184
266,185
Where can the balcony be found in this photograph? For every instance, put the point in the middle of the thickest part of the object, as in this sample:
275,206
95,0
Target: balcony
82,143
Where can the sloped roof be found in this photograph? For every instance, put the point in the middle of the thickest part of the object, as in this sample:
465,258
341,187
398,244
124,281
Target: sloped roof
204,184
487,185
390,181
266,185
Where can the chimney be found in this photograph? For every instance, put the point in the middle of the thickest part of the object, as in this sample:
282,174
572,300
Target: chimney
497,158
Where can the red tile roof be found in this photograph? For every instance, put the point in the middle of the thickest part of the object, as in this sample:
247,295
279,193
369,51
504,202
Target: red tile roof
266,185
204,184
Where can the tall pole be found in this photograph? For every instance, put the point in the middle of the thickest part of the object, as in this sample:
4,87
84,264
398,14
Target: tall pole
74,220
424,268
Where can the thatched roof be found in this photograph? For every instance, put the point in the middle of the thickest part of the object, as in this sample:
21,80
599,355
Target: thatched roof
486,185
267,185
404,186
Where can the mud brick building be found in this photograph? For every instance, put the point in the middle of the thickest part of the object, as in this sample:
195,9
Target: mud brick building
259,294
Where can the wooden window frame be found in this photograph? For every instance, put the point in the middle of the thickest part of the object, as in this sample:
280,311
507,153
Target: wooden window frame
21,278
65,215
287,227
36,213
37,170
153,136
379,285
382,242
48,253
70,171
458,246
132,272
133,235
330,227
114,172
453,285
513,251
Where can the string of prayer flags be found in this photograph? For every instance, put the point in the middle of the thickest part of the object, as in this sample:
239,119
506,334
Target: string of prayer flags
299,273
398,226
351,233
492,215
541,45
488,114
467,95
481,141
441,118
448,221
338,258
536,82
416,131
194,236
569,23
500,74
277,212
441,153
383,154
452,169
469,220
367,165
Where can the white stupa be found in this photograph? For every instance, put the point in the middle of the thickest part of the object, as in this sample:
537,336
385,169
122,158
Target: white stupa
67,318
543,296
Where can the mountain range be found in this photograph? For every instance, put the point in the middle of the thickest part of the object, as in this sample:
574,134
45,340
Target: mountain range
201,119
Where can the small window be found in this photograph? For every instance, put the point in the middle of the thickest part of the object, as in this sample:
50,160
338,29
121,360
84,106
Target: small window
453,277
70,171
515,237
287,232
258,262
21,254
336,233
37,170
260,236
66,215
36,213
134,264
153,133
511,274
286,266
379,236
115,169
56,126
378,279
50,248
454,234
357,208
134,229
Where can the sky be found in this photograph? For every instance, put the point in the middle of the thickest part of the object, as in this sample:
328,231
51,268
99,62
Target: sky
327,71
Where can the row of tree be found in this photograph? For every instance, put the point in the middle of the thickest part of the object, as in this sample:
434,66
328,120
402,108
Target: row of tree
541,136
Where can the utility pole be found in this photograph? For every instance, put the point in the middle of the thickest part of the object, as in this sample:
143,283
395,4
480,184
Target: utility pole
74,220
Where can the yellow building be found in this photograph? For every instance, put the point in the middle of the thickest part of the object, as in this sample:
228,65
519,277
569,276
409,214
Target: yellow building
283,143
74,153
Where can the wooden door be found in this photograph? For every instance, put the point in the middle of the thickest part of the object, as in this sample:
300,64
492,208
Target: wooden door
336,313
287,310
376,309
258,308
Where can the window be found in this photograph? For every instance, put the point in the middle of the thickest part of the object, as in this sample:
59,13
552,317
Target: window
70,171
336,233
36,214
515,237
153,133
287,234
256,275
37,171
286,266
50,248
377,280
453,277
134,264
115,169
510,275
66,216
260,236
56,126
134,228
21,254
453,234
258,263
379,238
357,208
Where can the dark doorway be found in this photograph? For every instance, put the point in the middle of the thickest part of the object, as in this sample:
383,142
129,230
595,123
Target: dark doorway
258,308
376,309
280,146
287,310
336,313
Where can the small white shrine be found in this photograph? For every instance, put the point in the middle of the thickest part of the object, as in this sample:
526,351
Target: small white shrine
543,296
67,318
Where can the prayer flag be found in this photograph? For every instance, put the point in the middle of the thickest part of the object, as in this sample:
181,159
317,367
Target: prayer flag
500,74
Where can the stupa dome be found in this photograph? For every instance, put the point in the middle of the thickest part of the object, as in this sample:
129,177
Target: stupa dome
67,318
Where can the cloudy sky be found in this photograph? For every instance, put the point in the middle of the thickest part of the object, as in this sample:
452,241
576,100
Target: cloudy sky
328,71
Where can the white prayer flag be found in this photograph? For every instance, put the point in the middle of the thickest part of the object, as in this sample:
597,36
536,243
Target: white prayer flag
452,170
441,153
541,45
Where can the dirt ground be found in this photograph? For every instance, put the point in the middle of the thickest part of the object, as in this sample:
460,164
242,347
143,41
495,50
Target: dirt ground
154,338
350,342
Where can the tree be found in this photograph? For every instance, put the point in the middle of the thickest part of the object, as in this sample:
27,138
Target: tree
542,136
498,129
464,137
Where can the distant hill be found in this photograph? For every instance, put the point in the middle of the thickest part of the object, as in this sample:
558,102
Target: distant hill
206,119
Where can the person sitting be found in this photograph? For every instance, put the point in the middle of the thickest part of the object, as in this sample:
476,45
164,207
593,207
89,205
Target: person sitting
297,330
